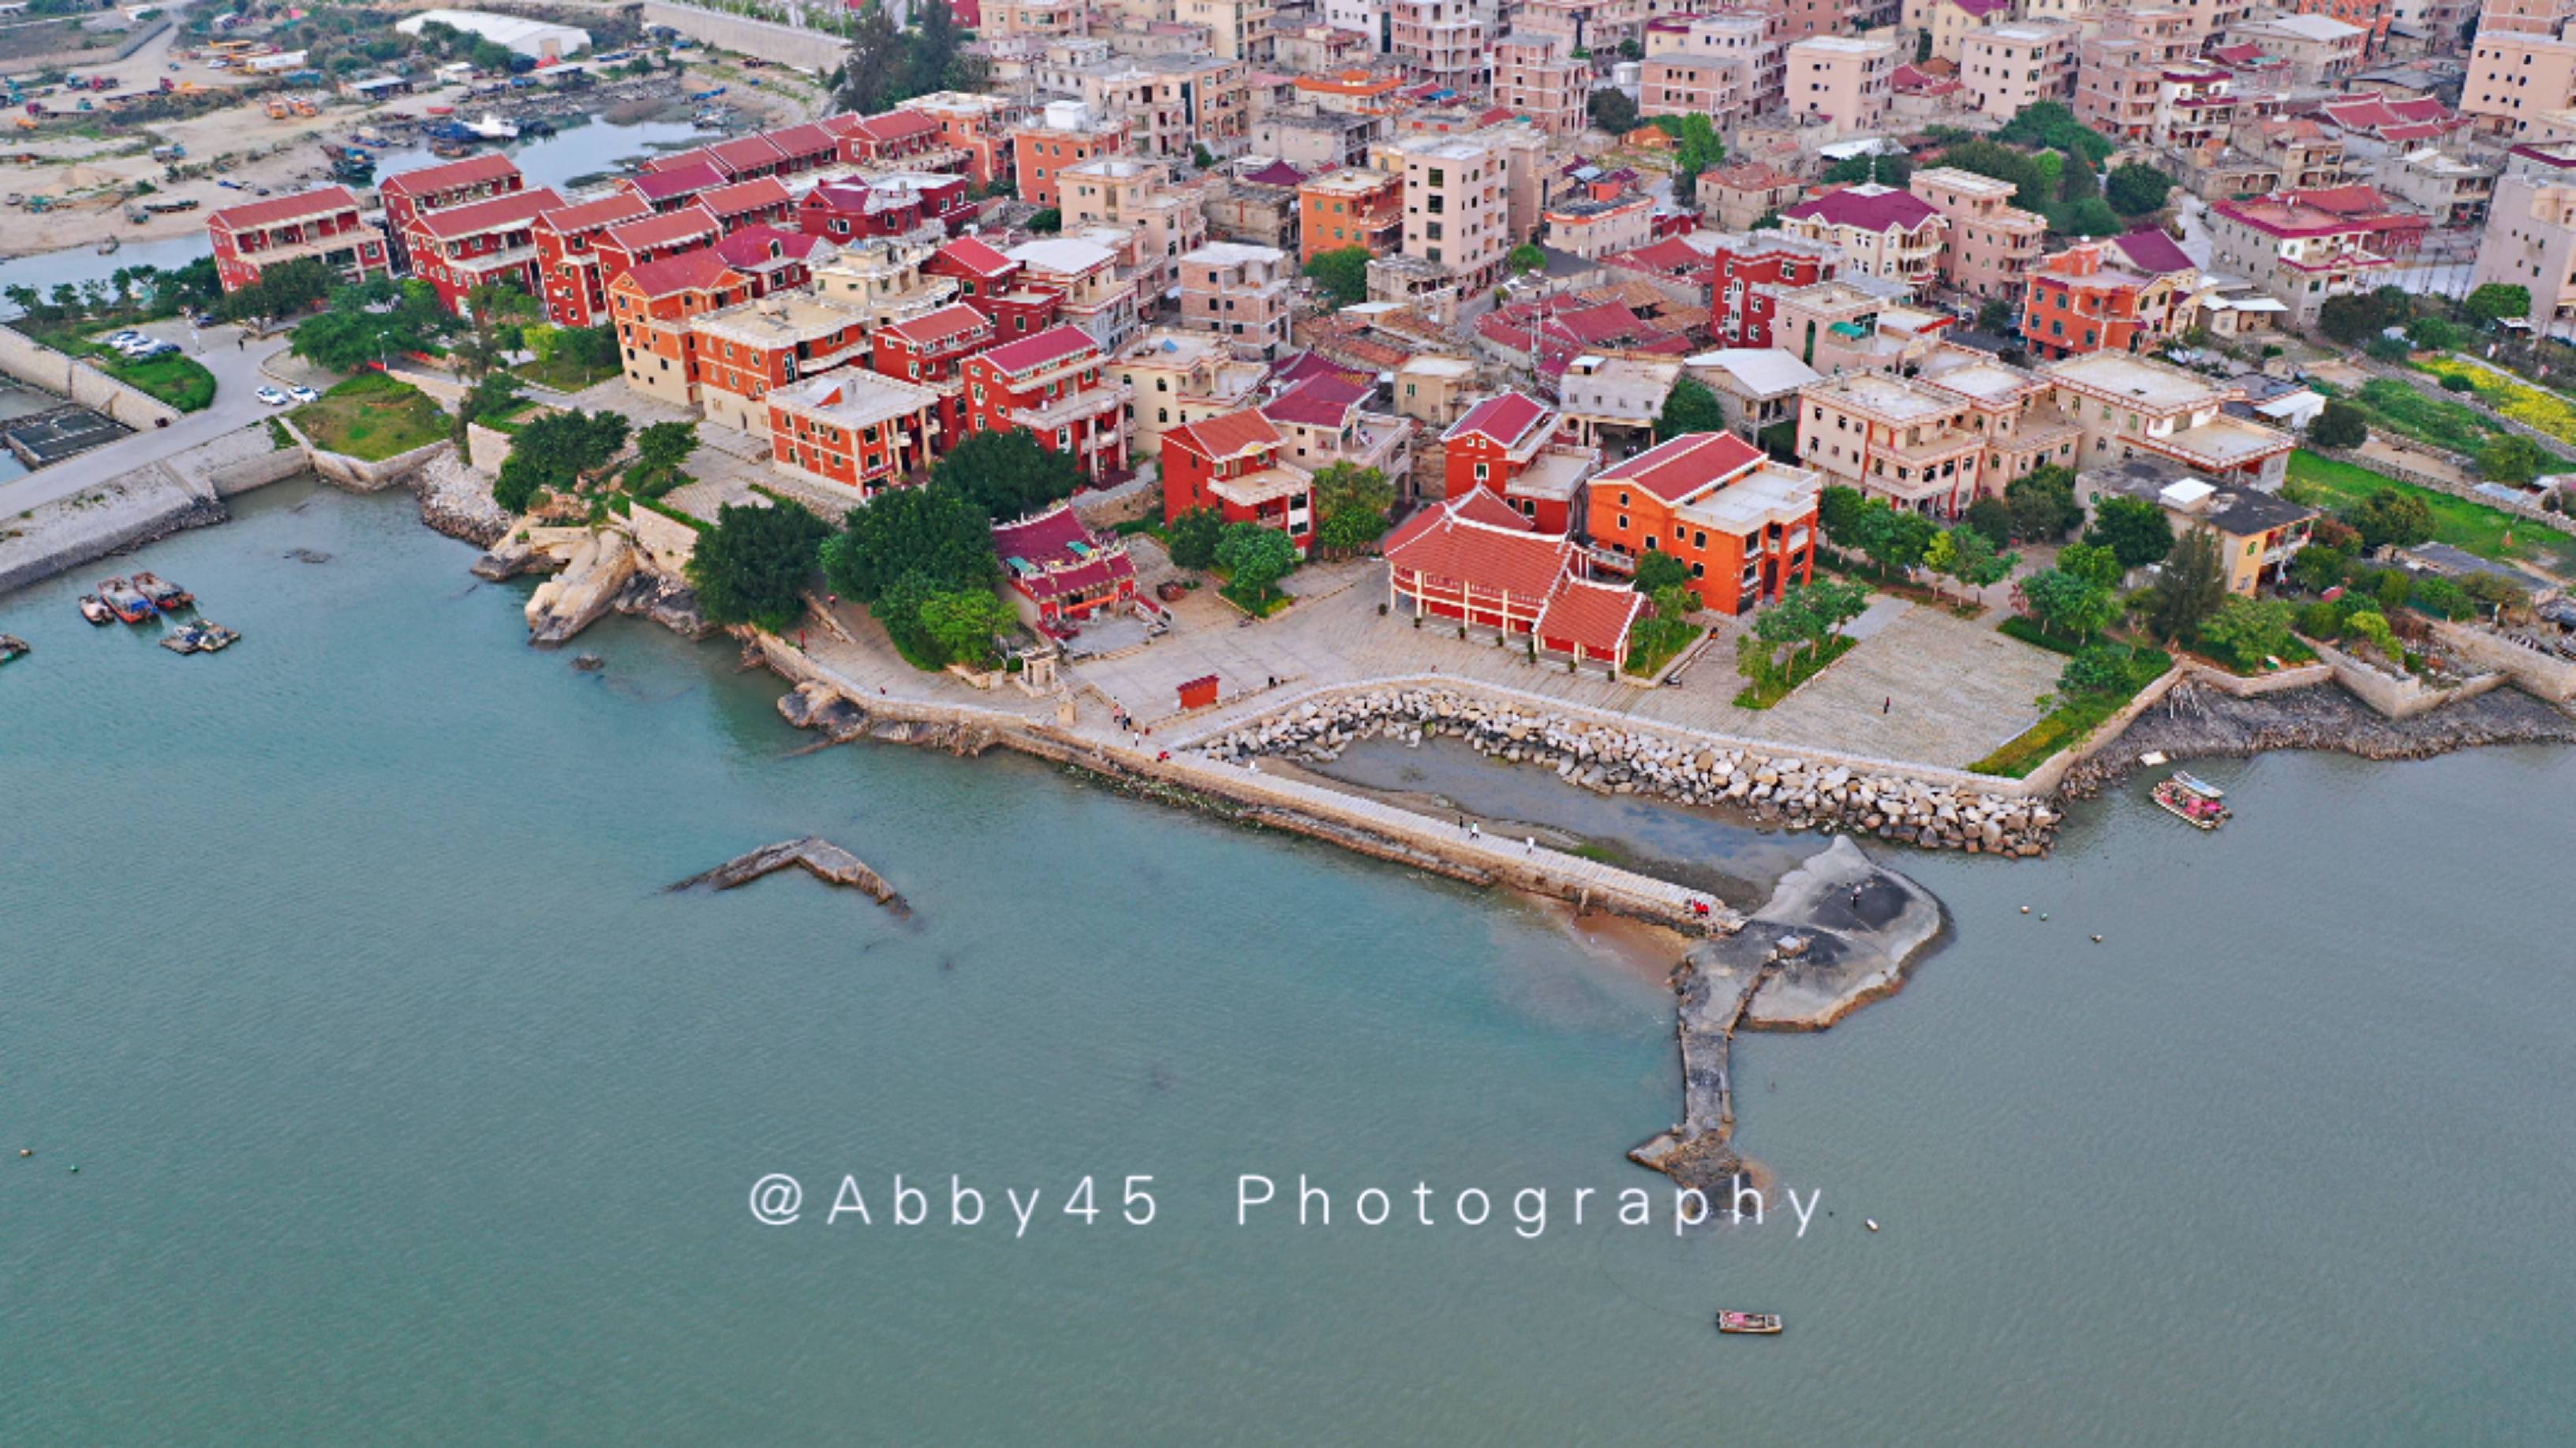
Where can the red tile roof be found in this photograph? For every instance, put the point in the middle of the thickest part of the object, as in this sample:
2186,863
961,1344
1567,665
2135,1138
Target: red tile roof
2153,252
1324,401
954,320
472,171
805,140
1669,257
662,230
510,209
1477,505
1751,176
743,196
1440,544
1313,364
583,215
1051,554
679,160
676,181
1505,419
1867,208
978,257
689,271
1227,435
1686,465
1055,344
755,247
1277,173
744,153
253,215
1593,616
895,126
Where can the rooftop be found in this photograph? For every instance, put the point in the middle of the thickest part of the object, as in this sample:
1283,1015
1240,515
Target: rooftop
1760,372
1890,399
781,319
853,398
2117,374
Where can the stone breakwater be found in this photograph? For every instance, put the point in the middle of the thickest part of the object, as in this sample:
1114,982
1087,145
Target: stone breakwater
2193,722
1773,788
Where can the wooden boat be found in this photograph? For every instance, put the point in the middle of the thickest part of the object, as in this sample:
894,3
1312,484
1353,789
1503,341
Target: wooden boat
181,640
129,605
214,638
2192,808
165,595
12,648
1763,1323
95,611
2200,787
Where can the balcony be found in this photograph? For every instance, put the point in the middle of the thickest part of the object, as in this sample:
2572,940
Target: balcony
1065,410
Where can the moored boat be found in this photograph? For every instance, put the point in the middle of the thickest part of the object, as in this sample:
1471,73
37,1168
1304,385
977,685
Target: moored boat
2198,786
165,595
214,638
2189,805
1763,1323
12,648
125,601
95,611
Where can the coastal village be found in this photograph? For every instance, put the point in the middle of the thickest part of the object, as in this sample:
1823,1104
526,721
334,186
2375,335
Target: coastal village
1855,415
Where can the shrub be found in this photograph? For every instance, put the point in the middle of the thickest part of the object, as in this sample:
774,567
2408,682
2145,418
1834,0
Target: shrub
2458,382
2340,425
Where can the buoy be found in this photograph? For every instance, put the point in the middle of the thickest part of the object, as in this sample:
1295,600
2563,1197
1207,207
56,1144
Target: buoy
26,1151
2043,915
2025,910
2097,940
75,1168
1873,1223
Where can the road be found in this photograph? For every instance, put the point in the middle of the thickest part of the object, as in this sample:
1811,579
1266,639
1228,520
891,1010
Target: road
237,383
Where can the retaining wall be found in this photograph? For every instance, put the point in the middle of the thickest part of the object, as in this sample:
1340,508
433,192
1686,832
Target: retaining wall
29,360
360,475
2546,675
813,49
2398,696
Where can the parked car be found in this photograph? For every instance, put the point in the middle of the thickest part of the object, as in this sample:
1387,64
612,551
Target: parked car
119,339
304,394
272,397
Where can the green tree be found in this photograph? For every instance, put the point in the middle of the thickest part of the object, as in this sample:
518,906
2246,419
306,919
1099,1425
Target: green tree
1885,170
2391,519
2511,458
2067,604
1997,315
2051,124
2340,424
753,566
2190,588
1351,504
2437,334
2098,670
2442,598
1525,258
1896,539
1047,222
2245,631
664,446
1690,408
2043,504
2091,216
555,452
2093,562
281,291
1342,273
2351,320
933,47
592,349
488,398
494,313
1009,474
1612,111
2396,590
1254,558
2317,569
898,609
1990,516
2135,190
2132,528
1191,537
877,66
929,531
1658,570
1838,509
964,622
2496,301
1970,557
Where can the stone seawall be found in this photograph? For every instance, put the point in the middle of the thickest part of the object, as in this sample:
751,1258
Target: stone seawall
31,361
1615,759
2197,722
127,512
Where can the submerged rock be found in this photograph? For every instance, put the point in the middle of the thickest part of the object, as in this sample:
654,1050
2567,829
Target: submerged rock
815,855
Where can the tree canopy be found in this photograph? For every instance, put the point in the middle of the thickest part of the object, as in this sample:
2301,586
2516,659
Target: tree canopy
2067,604
930,531
1690,408
1009,474
380,318
2509,457
1342,272
2391,519
2190,588
1658,570
554,452
1191,537
753,565
2051,124
1612,111
2135,530
1254,558
281,291
2498,300
964,623
2136,189
1351,504
2340,424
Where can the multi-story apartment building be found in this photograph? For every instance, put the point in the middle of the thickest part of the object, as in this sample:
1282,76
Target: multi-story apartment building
1240,292
1597,218
1325,420
2371,17
1513,446
1354,206
2296,250
1537,78
1901,441
1035,17
324,225
410,194
1742,525
1734,197
1953,21
2095,296
855,429
574,292
1749,271
751,349
626,245
1851,326
1084,275
2119,69
761,201
1173,105
1992,244
2452,191
2319,49
1845,80
2014,411
2007,68
1174,377
1240,30
975,126
2530,238
654,307
1725,66
930,351
2298,150
1067,135
1445,42
883,280
1612,401
1056,385
2515,78
1886,233
1169,219
1805,18
1456,203
460,248
1232,463
674,188
2135,406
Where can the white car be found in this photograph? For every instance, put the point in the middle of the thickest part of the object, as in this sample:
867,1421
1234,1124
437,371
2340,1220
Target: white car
120,339
304,394
273,397
148,348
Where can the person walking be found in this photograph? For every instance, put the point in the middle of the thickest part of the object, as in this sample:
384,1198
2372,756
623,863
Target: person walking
1890,704
1529,845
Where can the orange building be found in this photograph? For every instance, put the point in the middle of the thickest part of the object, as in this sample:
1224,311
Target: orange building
1068,136
2092,297
853,428
1354,92
1507,446
1743,524
654,306
1353,206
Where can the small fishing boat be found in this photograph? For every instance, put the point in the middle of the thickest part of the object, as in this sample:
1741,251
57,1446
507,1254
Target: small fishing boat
12,648
2193,808
127,602
109,246
95,611
2198,786
1763,1323
165,595
214,638
492,128
181,640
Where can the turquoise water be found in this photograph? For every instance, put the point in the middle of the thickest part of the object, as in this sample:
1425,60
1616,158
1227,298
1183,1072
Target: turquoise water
408,1108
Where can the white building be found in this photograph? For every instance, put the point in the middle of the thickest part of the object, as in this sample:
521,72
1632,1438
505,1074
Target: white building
537,39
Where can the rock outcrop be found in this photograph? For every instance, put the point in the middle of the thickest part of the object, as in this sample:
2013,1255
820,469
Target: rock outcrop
813,854
1608,759
2193,722
666,601
588,587
457,501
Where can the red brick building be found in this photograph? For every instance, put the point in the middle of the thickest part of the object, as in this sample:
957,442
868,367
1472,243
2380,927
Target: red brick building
980,270
673,187
1471,560
462,247
746,158
809,147
1509,446
747,351
628,245
855,211
320,224
853,428
575,294
1056,385
655,306
931,351
1231,462
972,129
433,188
1744,526
765,201
775,260
1062,568
888,139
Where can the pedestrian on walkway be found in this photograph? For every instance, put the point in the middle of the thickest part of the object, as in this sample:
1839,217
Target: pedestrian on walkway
1475,831
1890,704
1529,846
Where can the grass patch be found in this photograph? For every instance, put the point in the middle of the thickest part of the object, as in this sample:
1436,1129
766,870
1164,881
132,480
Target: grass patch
2027,629
1651,649
2487,532
372,417
1806,666
2531,406
2400,408
182,382
279,439
563,374
2071,720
